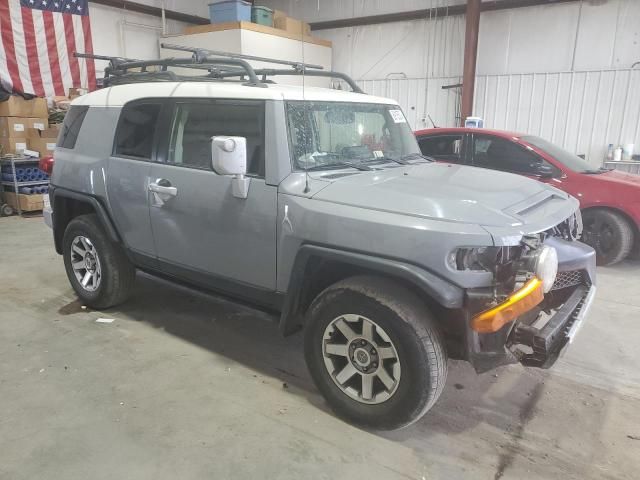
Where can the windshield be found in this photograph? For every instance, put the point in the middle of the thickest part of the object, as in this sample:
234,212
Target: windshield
335,134
569,160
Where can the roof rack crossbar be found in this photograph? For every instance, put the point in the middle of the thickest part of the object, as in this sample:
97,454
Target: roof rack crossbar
201,55
219,65
271,72
119,66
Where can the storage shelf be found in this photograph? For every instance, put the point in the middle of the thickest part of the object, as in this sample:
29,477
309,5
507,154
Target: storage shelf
7,161
25,184
12,162
622,162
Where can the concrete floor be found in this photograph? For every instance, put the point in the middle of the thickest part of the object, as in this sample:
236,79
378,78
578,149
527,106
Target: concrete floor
187,386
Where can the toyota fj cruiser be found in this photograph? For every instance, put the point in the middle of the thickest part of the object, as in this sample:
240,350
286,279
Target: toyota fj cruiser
317,204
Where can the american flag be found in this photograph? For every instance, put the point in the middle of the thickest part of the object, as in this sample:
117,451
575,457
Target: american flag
37,42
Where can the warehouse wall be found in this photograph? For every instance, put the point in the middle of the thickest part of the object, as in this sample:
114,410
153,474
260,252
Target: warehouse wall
560,71
118,32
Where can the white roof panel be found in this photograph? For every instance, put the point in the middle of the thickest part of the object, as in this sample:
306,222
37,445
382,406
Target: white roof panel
120,94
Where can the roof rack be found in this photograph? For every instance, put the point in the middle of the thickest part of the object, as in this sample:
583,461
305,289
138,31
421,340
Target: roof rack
219,67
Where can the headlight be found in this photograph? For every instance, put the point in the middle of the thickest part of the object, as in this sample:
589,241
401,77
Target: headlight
546,266
474,258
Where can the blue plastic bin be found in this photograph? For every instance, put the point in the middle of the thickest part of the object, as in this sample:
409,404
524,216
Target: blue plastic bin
230,11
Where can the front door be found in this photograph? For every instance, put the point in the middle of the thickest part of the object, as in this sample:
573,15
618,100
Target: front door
498,153
201,230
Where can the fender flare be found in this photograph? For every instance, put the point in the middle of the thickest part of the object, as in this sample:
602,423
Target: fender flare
442,291
98,208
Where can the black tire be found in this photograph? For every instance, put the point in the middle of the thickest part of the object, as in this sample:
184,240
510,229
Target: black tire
609,233
634,254
413,333
118,274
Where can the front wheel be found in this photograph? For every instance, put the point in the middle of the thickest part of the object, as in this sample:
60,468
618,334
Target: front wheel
98,269
609,233
374,352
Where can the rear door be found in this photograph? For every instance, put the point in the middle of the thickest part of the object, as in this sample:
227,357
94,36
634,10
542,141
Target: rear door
203,232
447,147
129,170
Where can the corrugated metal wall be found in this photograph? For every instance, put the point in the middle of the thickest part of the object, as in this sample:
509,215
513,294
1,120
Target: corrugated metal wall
420,98
581,111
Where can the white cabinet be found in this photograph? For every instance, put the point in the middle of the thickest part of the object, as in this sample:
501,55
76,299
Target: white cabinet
257,40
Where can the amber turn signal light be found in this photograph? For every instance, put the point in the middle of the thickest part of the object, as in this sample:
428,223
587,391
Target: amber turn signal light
521,301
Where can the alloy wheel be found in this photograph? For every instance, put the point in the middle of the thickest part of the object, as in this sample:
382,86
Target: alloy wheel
85,263
361,359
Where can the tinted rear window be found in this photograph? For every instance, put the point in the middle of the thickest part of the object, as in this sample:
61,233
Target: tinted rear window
71,126
136,130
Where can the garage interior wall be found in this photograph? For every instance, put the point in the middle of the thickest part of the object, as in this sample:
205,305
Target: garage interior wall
118,32
561,71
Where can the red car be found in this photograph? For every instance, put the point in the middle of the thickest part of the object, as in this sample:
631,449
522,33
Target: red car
609,199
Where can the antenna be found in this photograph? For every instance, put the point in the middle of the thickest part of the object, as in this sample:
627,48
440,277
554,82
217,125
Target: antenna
307,189
432,122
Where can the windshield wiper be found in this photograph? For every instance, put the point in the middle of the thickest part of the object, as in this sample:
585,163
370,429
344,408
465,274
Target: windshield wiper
329,166
411,156
387,159
597,172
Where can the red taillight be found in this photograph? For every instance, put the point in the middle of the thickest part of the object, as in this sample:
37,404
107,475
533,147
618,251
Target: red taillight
46,165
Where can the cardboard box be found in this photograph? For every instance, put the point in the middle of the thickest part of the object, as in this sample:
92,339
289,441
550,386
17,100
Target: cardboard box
16,106
292,25
12,145
76,92
51,132
18,126
278,14
44,146
28,203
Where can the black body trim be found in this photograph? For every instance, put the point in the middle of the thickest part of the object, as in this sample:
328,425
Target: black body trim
233,289
443,292
101,212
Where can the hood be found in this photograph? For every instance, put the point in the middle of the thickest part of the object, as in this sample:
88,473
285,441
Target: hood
452,193
618,178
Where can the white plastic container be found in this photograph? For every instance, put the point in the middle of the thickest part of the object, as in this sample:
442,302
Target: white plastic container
617,154
627,151
474,122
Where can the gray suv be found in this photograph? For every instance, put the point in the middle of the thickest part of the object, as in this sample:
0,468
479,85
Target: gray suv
317,204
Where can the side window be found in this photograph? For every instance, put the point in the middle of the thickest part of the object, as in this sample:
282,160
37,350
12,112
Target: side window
500,154
136,130
442,147
195,123
71,127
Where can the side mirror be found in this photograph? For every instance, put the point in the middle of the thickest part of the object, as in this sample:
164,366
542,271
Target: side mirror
229,157
543,170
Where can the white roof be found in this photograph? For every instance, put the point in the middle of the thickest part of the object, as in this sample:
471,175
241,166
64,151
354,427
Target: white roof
120,94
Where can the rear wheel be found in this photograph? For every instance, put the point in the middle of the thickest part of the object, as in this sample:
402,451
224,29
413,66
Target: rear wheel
98,269
609,233
374,352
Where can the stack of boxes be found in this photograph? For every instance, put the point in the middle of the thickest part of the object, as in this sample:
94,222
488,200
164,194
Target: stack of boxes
289,24
24,125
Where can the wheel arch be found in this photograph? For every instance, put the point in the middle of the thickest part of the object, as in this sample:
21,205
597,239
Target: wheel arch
68,204
316,267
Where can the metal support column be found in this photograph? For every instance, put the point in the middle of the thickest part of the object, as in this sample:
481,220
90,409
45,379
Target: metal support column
470,56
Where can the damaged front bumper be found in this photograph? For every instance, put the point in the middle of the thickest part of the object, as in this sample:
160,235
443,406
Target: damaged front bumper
539,337
550,340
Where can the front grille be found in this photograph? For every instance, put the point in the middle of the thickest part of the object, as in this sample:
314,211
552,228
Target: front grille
568,279
569,229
